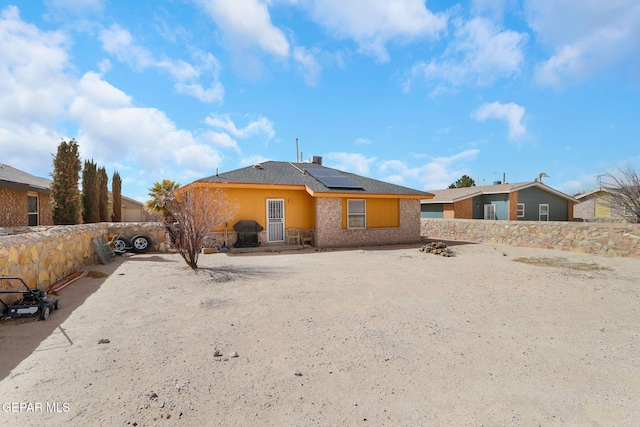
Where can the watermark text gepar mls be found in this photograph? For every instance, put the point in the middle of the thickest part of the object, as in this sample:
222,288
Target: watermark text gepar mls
35,407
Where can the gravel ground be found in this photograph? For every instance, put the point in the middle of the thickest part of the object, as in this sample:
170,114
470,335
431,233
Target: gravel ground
494,336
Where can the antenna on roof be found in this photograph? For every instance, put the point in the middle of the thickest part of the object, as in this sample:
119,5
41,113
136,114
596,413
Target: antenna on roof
542,175
504,177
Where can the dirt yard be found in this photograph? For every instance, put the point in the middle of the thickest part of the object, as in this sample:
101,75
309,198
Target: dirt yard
495,336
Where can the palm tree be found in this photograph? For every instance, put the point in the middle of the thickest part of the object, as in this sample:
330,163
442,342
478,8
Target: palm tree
162,193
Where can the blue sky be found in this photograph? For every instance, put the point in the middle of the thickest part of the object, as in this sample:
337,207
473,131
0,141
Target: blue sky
406,91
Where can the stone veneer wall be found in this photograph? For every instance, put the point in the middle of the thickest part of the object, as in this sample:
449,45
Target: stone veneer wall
587,237
45,255
329,231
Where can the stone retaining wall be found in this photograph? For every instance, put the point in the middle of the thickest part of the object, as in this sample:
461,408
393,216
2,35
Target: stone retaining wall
612,239
45,255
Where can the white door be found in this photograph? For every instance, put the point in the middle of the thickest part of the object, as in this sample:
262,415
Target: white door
275,220
489,211
543,213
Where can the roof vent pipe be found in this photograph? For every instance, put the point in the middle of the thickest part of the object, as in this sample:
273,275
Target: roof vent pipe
317,160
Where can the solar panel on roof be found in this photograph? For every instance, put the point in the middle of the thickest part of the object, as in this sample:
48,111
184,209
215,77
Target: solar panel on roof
332,178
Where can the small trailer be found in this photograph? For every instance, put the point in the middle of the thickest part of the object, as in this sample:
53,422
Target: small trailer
32,301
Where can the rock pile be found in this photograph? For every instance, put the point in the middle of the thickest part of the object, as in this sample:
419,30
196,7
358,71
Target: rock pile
437,248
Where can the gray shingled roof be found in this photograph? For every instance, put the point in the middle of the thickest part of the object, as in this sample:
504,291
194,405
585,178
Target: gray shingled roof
18,180
286,173
456,194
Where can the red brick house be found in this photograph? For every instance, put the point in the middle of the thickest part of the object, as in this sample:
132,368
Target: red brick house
24,199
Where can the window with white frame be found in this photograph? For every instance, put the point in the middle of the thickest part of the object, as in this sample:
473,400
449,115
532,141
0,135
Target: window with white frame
356,213
32,204
543,213
520,210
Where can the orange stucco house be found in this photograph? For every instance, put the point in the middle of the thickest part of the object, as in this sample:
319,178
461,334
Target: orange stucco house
336,208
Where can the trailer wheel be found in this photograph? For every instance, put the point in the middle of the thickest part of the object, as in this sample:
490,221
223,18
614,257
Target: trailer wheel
44,313
141,243
121,244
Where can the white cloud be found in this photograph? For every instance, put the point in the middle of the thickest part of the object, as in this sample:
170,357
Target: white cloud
113,131
247,23
436,174
480,54
374,23
197,160
574,186
308,65
512,113
253,160
350,162
119,42
221,139
494,9
603,36
215,93
361,141
33,70
35,88
261,126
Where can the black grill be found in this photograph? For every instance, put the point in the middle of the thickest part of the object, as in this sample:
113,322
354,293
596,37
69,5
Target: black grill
247,231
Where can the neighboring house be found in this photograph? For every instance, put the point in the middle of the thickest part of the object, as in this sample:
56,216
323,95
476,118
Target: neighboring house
24,199
132,210
592,205
524,201
339,208
596,205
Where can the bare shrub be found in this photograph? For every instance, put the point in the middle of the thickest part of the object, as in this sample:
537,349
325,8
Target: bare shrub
195,213
624,194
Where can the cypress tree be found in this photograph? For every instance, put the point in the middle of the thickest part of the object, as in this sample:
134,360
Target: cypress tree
116,194
90,193
103,194
65,196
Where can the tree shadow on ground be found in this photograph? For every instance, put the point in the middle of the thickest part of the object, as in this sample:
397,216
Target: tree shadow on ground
226,273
